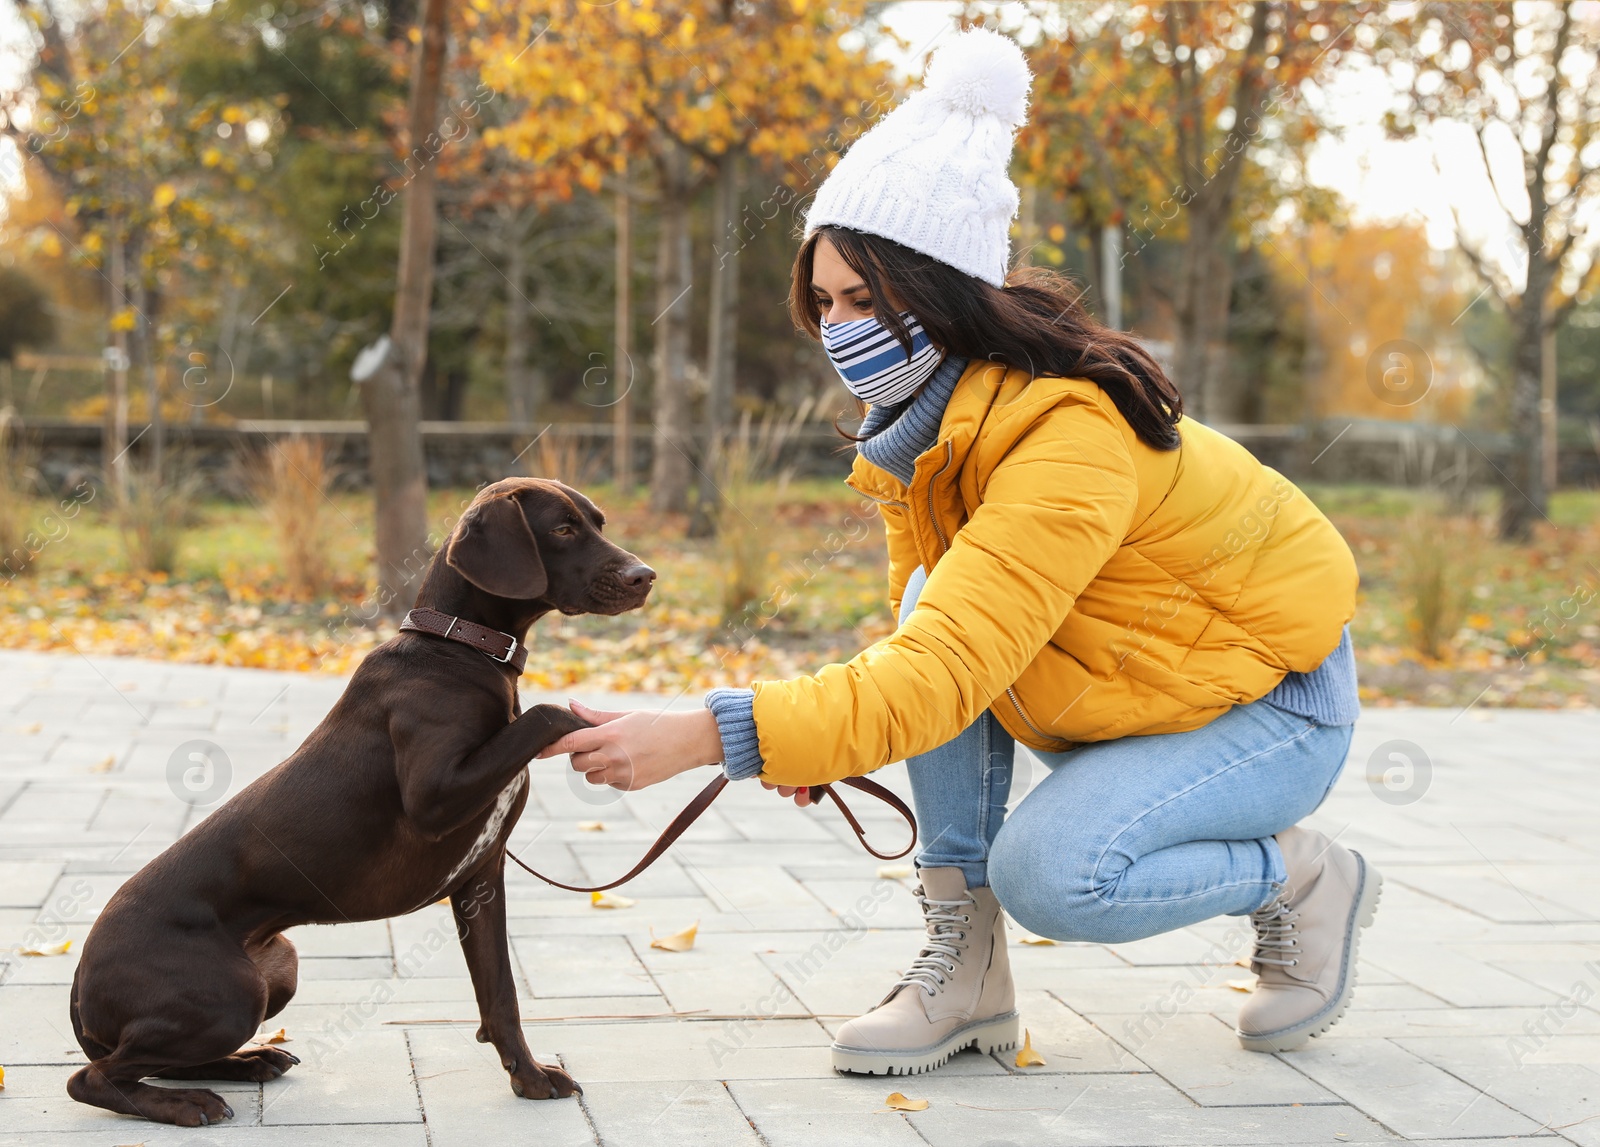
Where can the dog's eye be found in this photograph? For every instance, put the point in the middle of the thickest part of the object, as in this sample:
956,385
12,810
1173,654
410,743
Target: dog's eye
563,531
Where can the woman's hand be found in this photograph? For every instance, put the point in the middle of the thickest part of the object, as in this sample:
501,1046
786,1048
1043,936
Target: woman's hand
801,795
636,749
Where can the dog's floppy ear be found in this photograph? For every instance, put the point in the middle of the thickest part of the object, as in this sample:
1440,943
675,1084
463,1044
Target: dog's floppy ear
494,550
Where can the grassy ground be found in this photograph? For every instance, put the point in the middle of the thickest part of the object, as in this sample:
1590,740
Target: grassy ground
1527,622
1517,625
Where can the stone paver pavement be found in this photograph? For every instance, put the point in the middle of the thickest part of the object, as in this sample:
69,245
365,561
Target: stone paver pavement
1476,1020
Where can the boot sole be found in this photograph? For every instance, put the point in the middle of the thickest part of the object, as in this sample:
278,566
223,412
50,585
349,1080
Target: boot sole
998,1033
1362,911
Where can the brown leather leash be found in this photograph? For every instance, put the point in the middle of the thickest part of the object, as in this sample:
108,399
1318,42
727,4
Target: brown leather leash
503,647
702,801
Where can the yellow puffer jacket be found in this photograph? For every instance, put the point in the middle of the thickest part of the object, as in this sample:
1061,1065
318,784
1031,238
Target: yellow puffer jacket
1082,584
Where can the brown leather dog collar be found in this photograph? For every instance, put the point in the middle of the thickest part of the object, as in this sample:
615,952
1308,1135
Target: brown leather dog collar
493,644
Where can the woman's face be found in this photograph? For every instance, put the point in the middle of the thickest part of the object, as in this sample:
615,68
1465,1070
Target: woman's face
839,293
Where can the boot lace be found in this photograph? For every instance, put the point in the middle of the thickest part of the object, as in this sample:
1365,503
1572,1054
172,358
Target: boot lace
947,939
1277,934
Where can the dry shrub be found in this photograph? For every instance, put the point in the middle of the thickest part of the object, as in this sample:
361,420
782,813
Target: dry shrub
17,479
160,504
750,484
560,455
1438,567
290,480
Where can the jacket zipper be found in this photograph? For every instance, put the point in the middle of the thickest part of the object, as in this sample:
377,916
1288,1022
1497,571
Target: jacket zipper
933,519
1023,717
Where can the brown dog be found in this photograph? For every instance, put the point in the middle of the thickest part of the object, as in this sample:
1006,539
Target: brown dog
406,792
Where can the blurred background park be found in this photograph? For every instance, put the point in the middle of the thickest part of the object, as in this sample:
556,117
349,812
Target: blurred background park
283,281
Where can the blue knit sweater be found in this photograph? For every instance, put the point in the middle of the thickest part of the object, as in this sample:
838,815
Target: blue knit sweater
893,437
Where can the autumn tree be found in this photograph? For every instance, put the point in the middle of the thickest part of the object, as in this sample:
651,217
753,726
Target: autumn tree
1375,286
541,244
391,392
151,182
1524,79
690,88
25,317
1151,116
317,283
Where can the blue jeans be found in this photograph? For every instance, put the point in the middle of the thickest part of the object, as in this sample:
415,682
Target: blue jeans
1128,838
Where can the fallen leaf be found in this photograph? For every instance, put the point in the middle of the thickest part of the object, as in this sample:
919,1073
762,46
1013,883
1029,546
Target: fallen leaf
894,871
1242,985
60,949
591,826
35,727
1032,939
445,900
279,1036
1027,1057
898,1102
2,1079
678,941
1242,962
105,764
609,900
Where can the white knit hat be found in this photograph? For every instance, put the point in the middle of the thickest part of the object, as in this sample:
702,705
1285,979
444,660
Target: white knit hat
931,175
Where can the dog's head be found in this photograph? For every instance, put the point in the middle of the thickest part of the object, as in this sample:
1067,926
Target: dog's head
528,539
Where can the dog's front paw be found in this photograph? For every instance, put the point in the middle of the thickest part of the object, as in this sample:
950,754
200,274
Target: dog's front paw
556,722
537,1081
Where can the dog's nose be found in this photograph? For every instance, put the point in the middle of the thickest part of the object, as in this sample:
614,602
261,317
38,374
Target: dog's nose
638,576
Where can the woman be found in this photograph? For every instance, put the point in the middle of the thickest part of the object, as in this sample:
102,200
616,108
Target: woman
1075,566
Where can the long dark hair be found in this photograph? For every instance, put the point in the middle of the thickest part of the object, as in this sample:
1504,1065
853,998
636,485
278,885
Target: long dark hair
1034,323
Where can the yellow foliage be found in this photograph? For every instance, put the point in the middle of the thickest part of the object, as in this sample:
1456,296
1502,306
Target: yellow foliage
1376,287
678,941
60,949
771,80
1026,1056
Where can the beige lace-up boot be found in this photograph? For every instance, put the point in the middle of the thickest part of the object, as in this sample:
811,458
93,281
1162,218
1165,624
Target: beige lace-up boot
956,994
1306,941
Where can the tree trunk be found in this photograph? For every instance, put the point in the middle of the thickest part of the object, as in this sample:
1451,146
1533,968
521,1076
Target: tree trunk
520,407
393,395
144,349
1522,493
722,342
227,352
1549,413
453,394
622,348
1111,274
674,445
115,448
1205,275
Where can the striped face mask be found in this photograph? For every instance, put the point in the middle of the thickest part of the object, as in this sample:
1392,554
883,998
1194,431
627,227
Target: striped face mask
872,362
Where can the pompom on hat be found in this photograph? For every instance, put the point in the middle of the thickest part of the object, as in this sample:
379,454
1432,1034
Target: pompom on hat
932,174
